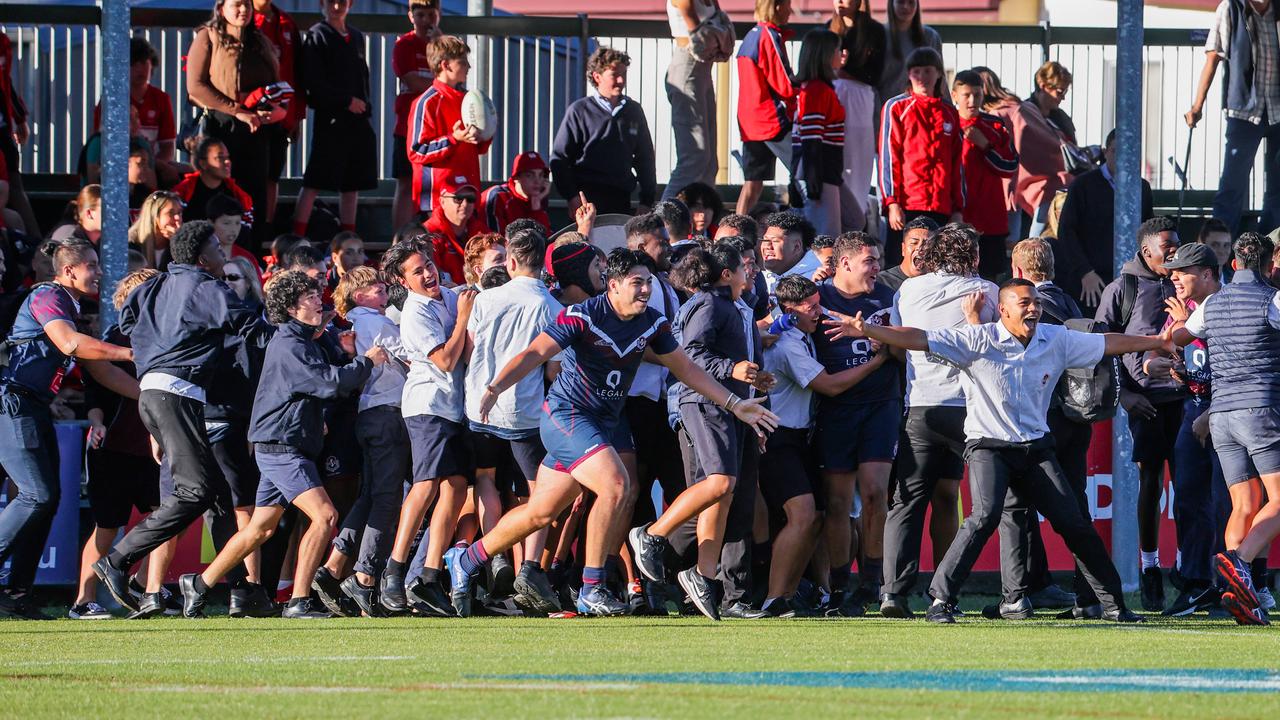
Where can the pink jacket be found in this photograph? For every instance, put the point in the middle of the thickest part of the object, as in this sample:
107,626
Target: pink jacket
1041,172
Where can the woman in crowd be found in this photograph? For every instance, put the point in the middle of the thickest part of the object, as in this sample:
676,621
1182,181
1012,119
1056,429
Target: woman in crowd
906,32
158,220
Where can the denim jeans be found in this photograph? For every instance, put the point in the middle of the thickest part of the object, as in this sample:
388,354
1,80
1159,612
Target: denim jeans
1243,138
29,454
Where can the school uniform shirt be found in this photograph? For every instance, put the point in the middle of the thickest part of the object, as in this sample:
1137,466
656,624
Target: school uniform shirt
920,155
766,97
817,138
1008,387
601,354
37,366
503,204
432,150
793,364
985,171
408,57
651,378
933,301
598,145
385,385
425,325
297,382
838,355
451,247
504,321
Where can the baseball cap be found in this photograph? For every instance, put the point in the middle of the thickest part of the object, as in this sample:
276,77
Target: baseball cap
453,184
1194,254
528,160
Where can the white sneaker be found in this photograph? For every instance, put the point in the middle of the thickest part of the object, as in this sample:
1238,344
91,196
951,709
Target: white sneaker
88,611
1266,600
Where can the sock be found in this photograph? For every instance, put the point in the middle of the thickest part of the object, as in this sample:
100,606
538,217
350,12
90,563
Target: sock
529,566
200,585
430,575
1150,559
769,602
1258,569
592,576
870,570
395,568
475,556
300,227
348,226
840,578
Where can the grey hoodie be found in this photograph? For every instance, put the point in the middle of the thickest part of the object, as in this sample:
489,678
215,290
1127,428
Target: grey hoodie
1148,318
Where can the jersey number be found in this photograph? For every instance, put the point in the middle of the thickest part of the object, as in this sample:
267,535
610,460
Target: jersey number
612,380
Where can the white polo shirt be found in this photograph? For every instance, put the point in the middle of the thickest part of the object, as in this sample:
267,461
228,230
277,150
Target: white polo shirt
932,302
792,362
385,385
425,325
1007,386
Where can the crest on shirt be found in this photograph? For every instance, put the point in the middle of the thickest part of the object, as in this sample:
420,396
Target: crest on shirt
946,128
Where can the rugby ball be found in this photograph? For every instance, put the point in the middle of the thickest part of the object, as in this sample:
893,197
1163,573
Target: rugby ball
478,110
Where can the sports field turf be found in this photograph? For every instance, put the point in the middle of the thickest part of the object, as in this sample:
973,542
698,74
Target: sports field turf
636,667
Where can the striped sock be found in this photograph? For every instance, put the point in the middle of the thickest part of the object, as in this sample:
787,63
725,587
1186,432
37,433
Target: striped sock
473,558
592,576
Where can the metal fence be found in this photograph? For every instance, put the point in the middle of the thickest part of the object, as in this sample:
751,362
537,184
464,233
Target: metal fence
536,69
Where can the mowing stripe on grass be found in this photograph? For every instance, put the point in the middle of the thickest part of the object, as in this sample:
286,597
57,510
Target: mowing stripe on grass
1158,681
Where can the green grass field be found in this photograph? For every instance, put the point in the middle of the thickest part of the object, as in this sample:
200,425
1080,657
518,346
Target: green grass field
635,667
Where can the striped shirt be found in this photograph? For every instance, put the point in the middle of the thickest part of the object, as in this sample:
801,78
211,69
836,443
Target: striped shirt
1266,60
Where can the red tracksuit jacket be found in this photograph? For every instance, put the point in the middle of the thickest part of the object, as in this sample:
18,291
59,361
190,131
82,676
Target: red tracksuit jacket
432,150
766,97
984,172
501,204
920,150
817,139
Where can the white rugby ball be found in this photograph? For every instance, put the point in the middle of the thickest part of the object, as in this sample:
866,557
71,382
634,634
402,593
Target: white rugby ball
478,110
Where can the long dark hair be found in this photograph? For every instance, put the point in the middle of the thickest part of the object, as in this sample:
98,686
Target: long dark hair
702,268
252,44
993,93
815,56
916,29
864,48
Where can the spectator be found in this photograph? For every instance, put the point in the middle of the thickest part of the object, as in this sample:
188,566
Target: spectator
1134,303
154,109
1042,172
862,37
343,146
158,221
242,275
1217,236
280,247
524,195
824,248
905,34
141,176
913,236
705,208
855,83
920,153
1085,241
1251,99
439,145
603,148
678,221
785,248
282,32
988,159
484,251
86,217
817,142
14,132
703,36
409,63
766,100
453,221
228,59
212,177
227,217
346,253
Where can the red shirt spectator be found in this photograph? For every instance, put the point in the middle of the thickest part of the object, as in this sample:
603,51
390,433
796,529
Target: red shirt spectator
408,58
766,97
920,150
12,110
283,33
155,117
453,223
985,170
189,188
501,204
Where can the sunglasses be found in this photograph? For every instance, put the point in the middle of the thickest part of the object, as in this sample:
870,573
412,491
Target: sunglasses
232,277
459,199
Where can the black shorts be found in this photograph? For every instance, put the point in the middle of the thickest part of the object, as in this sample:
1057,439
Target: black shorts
340,455
932,444
515,461
118,483
401,168
231,449
715,440
759,160
344,156
277,156
1153,438
787,469
441,448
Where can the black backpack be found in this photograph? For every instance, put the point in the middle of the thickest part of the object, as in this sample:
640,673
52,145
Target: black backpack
1087,395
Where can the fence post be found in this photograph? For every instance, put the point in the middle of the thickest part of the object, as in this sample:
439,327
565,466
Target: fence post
1128,214
1046,40
584,38
479,43
114,244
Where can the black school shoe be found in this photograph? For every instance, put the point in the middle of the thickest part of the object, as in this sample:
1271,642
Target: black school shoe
430,599
1152,590
250,600
391,593
116,582
149,606
366,598
895,606
328,589
742,611
193,601
305,608
943,613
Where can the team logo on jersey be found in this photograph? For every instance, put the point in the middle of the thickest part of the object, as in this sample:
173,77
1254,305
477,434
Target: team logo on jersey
331,464
946,128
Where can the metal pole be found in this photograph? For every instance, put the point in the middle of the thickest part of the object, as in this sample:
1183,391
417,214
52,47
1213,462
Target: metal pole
1128,215
479,44
114,245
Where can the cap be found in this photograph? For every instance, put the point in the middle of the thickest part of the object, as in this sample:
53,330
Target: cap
453,184
528,160
1194,254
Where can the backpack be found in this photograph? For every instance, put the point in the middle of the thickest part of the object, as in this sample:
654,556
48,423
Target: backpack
10,304
1087,395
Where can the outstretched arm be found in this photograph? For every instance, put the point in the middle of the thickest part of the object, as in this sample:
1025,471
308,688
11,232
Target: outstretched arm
542,349
1120,344
752,412
907,338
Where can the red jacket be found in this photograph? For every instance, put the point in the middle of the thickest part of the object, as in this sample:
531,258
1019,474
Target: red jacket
817,139
985,170
920,150
450,248
766,97
187,187
431,147
283,33
501,204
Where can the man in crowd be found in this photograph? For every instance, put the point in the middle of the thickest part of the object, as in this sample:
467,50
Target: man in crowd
784,246
914,234
452,223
